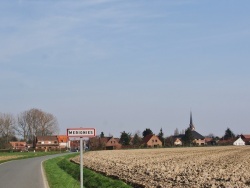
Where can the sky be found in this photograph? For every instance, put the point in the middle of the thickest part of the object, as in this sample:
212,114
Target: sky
125,65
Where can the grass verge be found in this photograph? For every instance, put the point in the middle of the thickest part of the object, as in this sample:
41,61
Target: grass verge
4,157
57,177
61,172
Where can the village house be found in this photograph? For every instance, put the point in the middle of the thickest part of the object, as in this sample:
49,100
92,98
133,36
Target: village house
246,138
111,143
22,146
224,142
198,138
74,145
46,142
108,143
239,142
178,142
152,141
209,141
63,141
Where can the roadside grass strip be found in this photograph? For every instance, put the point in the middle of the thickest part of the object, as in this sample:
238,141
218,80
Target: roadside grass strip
57,177
4,157
63,173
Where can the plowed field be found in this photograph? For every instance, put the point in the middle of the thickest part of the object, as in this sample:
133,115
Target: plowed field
175,167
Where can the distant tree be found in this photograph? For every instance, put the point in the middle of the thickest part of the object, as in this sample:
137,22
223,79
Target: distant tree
136,140
35,122
7,132
160,136
169,142
138,133
211,135
188,137
228,134
176,132
14,139
146,132
102,135
125,138
96,143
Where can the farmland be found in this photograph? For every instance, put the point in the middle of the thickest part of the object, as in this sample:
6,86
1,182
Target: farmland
175,167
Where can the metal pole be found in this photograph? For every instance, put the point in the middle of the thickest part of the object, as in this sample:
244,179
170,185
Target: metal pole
81,163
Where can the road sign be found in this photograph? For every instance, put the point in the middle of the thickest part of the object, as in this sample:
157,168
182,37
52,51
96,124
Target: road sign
81,132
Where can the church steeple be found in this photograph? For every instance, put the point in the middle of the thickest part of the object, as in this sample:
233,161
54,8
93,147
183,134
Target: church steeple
191,125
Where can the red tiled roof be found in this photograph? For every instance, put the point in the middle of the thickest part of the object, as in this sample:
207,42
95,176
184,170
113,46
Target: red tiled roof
246,139
247,136
232,140
105,139
147,138
207,139
15,144
46,138
62,138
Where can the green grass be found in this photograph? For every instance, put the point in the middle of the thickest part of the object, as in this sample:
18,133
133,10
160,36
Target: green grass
58,178
60,171
4,157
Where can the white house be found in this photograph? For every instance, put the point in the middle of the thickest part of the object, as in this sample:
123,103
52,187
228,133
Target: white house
239,142
178,142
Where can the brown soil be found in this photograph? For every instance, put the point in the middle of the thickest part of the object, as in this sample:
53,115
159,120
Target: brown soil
223,167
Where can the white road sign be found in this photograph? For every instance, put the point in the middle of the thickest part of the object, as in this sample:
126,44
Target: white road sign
81,132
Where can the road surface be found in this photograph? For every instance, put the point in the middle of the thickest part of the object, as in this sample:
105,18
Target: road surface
24,173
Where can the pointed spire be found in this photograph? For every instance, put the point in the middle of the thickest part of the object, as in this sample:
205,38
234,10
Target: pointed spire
191,125
191,119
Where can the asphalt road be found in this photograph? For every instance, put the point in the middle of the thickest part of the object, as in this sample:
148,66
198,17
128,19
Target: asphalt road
24,173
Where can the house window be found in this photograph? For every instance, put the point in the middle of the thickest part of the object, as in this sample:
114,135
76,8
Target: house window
155,140
152,140
111,142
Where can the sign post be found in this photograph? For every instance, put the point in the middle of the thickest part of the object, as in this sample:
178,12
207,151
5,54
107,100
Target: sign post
81,132
81,163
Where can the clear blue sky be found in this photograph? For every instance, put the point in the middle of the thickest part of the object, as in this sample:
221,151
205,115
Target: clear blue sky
125,65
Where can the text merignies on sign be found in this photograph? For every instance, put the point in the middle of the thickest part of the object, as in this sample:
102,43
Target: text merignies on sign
81,132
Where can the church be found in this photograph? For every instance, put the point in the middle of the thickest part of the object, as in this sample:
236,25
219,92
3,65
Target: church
198,138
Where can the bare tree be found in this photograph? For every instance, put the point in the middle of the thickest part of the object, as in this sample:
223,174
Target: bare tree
138,133
176,132
36,122
6,129
22,127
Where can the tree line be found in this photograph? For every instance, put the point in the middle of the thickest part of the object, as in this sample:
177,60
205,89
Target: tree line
127,138
26,126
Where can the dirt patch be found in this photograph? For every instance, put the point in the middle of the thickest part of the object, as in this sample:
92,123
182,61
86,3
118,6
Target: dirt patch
175,167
